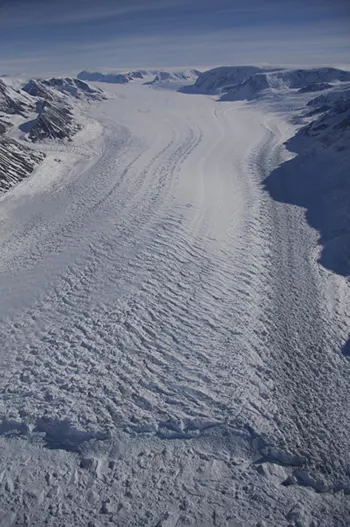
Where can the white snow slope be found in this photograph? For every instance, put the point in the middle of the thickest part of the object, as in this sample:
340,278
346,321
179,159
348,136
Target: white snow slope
170,346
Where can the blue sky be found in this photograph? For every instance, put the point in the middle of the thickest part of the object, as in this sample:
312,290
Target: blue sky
47,36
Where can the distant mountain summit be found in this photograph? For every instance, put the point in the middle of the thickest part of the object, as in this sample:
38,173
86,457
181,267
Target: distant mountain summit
159,76
222,78
113,78
95,76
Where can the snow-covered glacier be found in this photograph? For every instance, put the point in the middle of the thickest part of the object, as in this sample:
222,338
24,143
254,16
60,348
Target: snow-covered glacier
174,315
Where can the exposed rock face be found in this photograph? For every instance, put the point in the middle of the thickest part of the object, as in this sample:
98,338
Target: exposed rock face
75,88
51,100
137,74
36,88
55,121
71,87
16,162
13,102
3,127
55,118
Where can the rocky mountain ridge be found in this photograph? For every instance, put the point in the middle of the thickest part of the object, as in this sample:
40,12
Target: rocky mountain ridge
16,162
42,109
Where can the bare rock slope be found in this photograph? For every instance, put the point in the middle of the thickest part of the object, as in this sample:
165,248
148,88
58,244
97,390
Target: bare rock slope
16,162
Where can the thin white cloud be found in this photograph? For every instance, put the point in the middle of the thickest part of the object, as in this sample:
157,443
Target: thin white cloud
24,60
65,13
267,37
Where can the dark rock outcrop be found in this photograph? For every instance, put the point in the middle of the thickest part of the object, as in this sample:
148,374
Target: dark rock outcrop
55,121
12,102
16,162
50,89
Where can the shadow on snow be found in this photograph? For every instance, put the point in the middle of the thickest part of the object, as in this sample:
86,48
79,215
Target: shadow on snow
318,180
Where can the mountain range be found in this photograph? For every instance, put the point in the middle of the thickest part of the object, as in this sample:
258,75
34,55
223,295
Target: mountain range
151,77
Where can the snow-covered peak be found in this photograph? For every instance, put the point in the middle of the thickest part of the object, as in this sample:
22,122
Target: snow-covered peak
219,79
186,75
271,82
298,78
173,79
37,88
95,76
249,88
